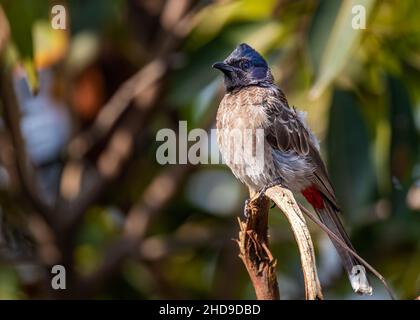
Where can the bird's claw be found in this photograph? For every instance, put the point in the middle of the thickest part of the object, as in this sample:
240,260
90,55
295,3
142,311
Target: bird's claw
246,208
261,193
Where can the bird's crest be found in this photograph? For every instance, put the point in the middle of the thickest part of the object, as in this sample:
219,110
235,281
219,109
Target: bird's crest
246,51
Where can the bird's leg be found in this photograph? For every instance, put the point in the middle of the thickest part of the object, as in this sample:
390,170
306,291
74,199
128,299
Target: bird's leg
261,194
276,182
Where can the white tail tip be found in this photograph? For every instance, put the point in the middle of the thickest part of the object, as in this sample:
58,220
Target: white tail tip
359,281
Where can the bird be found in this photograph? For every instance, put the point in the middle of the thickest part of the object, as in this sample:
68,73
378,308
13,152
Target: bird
277,147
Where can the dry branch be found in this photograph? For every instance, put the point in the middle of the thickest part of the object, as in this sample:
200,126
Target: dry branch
285,201
155,197
133,88
141,91
254,252
11,110
253,245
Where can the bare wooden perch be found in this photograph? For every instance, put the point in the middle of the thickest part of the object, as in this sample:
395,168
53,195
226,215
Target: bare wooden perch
285,201
253,245
254,252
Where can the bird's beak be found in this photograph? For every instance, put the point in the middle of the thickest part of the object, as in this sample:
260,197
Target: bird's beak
224,67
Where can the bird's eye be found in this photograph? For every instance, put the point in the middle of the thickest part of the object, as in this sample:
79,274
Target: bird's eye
245,65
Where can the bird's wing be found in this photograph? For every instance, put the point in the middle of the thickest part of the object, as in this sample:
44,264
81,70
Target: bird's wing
287,132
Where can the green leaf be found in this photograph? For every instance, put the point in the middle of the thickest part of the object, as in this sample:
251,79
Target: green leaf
214,18
341,42
404,143
349,160
4,31
22,15
322,24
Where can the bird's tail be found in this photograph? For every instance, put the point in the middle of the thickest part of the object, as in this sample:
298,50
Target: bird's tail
356,272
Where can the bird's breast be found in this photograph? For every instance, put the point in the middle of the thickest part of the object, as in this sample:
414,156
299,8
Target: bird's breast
243,110
241,121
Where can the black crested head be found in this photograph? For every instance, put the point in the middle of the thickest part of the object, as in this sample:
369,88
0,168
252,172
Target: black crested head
244,67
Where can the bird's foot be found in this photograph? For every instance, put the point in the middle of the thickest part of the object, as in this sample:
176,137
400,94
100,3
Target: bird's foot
276,182
247,209
260,195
